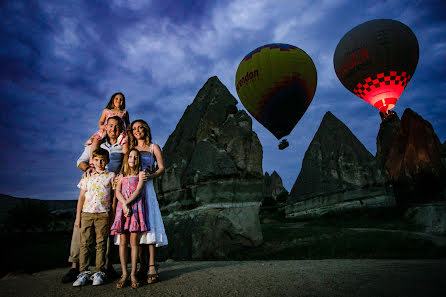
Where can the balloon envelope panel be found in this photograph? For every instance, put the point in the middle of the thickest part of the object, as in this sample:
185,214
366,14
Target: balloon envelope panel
376,60
276,84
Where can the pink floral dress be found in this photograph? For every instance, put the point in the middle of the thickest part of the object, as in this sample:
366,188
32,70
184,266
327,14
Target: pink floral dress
100,134
137,221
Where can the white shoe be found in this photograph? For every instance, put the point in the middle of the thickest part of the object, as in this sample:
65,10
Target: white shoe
82,279
97,278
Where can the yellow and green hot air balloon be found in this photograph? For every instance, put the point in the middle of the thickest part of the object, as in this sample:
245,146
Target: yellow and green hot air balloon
276,84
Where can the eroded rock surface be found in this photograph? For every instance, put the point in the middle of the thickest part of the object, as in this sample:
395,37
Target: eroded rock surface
213,175
414,161
338,173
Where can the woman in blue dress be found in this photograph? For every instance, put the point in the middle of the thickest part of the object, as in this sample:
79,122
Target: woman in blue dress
151,155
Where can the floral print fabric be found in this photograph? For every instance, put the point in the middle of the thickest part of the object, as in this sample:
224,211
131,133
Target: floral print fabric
137,221
98,192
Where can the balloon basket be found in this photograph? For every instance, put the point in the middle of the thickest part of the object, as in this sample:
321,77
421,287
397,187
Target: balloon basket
283,144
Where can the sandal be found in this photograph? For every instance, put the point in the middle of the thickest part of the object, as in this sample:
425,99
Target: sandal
122,282
153,277
134,281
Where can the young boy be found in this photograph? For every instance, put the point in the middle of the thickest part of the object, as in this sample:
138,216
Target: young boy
92,217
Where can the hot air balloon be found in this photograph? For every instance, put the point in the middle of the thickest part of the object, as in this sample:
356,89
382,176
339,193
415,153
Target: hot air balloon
376,60
276,84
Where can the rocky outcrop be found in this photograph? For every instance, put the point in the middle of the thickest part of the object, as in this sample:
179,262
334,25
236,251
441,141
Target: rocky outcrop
432,216
414,161
273,187
388,131
213,163
443,154
212,231
338,173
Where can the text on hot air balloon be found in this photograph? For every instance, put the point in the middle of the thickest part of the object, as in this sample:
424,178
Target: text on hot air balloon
245,79
358,57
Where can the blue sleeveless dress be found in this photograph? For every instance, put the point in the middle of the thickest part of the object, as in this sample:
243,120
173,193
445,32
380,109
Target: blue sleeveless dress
157,234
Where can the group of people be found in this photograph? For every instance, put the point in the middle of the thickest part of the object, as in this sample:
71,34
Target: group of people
117,199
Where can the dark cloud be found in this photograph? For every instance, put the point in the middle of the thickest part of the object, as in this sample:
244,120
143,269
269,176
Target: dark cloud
62,60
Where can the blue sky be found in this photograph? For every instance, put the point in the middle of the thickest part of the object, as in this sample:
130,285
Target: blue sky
62,60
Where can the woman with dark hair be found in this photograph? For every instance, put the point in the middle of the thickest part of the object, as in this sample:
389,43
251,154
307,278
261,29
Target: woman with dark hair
152,162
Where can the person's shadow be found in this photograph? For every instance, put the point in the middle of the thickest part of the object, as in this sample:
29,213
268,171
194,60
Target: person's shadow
172,270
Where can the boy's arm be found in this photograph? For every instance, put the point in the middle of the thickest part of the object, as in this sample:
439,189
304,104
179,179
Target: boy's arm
114,201
80,205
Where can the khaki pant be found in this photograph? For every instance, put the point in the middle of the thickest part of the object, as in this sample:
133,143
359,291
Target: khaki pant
93,223
76,246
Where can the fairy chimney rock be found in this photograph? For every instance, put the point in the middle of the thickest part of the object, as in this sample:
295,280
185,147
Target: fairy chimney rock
338,173
212,186
414,161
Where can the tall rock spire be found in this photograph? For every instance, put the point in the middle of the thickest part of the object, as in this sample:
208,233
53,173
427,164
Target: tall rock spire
337,173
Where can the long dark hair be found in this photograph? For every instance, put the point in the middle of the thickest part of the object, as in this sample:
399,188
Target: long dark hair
110,104
132,141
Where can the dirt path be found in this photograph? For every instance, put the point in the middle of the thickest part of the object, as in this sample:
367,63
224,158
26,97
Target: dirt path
259,278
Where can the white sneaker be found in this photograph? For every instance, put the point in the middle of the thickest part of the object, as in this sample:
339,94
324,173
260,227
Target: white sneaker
97,278
82,279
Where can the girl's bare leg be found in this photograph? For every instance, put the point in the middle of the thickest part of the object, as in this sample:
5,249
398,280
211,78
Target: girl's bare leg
123,252
134,243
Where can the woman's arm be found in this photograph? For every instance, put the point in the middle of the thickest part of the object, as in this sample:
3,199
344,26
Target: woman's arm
138,190
159,160
102,119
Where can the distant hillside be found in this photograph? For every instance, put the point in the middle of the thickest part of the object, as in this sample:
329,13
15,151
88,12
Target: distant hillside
9,202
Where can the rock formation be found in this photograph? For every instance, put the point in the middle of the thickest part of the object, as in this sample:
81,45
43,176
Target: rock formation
273,187
212,186
388,130
414,161
432,216
443,154
338,173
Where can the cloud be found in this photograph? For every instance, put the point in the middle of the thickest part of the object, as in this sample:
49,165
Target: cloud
62,60
133,5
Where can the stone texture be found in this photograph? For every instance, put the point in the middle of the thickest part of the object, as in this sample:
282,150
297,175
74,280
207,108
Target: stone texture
212,231
213,163
443,154
338,173
273,186
430,215
388,131
414,161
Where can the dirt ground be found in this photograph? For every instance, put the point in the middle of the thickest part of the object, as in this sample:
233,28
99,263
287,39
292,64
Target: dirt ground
258,278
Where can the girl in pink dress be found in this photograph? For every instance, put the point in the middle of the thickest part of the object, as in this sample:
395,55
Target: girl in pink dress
131,214
115,107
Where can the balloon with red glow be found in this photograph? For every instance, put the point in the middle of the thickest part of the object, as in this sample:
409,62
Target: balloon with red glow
376,60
